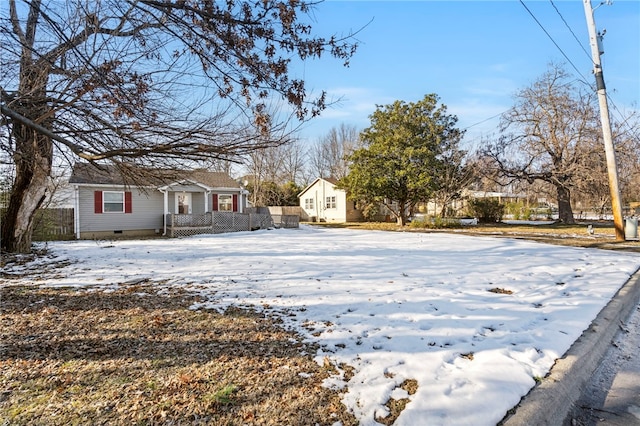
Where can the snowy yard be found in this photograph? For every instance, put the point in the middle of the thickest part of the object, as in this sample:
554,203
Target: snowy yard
473,320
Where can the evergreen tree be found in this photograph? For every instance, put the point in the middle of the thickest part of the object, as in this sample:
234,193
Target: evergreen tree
400,155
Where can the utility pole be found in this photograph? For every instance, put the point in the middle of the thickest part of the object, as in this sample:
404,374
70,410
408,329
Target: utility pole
612,167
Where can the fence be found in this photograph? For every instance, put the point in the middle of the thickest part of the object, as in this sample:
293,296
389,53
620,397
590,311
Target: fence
180,225
53,224
50,224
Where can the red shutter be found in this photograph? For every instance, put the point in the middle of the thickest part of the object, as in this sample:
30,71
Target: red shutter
215,202
127,203
235,202
97,202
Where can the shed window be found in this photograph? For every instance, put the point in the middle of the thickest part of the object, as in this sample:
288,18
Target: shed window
331,202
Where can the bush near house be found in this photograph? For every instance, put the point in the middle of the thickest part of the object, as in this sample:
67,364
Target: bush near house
486,210
435,222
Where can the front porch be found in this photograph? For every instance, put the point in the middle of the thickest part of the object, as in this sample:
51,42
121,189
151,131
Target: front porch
180,225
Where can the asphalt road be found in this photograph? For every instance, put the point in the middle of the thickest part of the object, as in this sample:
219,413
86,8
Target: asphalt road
612,395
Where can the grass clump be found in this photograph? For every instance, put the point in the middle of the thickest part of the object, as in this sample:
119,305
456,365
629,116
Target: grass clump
499,290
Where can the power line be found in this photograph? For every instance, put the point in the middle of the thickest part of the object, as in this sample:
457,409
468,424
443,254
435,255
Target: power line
484,121
571,30
554,42
624,121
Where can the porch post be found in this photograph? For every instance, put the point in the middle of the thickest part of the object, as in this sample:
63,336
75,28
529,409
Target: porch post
76,211
166,210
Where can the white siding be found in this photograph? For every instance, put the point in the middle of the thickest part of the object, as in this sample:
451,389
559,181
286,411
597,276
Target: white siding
319,191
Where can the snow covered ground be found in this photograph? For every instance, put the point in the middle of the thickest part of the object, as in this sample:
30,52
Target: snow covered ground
395,306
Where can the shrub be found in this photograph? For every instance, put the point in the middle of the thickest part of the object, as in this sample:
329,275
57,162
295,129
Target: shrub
518,210
436,222
486,210
419,223
370,211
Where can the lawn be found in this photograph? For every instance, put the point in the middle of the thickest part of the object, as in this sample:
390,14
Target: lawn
320,325
132,356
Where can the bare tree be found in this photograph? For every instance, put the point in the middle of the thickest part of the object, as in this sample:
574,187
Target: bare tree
454,172
593,186
549,135
271,171
263,166
328,157
146,82
293,162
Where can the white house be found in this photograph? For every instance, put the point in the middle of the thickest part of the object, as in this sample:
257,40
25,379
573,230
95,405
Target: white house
323,202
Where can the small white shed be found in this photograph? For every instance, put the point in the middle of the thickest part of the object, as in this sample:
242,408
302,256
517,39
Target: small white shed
321,201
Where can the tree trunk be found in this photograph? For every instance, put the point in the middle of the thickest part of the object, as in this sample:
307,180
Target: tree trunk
28,191
565,213
443,210
401,216
33,158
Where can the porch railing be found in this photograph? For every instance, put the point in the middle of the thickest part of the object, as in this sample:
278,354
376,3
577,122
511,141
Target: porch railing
179,225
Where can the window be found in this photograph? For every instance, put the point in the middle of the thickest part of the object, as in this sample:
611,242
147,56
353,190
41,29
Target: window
113,202
331,202
225,203
308,203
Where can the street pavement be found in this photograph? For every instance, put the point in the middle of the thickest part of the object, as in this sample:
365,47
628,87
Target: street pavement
612,396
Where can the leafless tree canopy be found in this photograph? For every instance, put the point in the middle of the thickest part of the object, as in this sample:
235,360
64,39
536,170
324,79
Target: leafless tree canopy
273,174
147,81
328,158
133,78
551,134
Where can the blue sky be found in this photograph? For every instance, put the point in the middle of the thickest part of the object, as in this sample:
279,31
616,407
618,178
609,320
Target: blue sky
474,54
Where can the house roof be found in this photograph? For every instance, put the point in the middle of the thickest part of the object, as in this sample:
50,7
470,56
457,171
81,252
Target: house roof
332,181
88,174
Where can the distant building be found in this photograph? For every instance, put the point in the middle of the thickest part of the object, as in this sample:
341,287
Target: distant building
321,201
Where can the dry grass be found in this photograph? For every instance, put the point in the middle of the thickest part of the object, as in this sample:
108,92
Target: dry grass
133,356
396,406
576,235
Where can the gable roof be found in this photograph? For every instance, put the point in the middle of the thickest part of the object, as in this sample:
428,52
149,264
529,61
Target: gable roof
332,181
88,174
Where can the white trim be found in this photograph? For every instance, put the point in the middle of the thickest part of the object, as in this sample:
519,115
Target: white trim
124,202
219,203
112,185
76,211
234,190
183,182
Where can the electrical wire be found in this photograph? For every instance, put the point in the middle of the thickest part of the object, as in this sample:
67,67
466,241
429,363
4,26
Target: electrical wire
554,42
484,121
619,113
571,31
623,120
